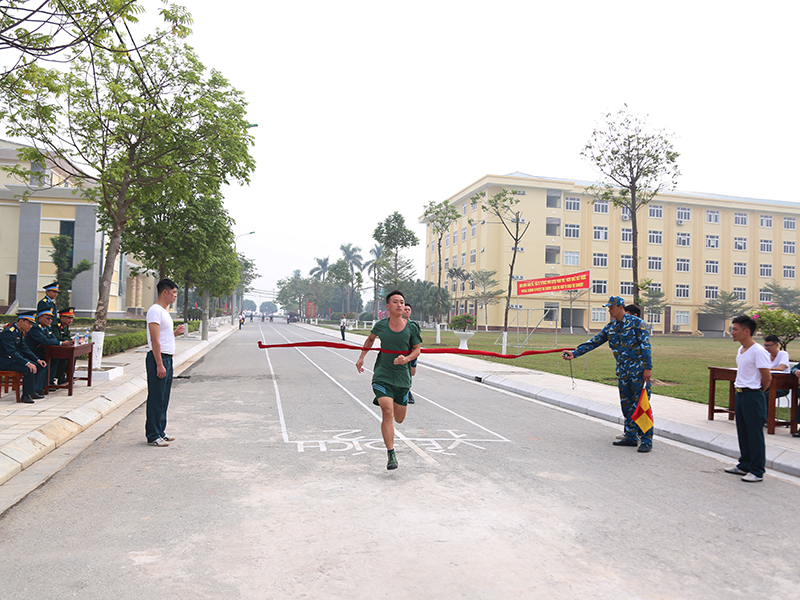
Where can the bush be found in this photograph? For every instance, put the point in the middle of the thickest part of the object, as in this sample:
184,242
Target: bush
119,343
462,322
366,316
336,317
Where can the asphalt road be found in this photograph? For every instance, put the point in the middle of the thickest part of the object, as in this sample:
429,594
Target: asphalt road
277,488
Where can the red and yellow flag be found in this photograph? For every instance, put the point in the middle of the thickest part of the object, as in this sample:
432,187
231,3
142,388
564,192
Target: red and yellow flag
643,416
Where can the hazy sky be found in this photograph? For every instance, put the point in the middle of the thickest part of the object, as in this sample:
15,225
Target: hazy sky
364,108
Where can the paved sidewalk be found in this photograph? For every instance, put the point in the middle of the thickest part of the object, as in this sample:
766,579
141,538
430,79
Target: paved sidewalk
675,419
31,432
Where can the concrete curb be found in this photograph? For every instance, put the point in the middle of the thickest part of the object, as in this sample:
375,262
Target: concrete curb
22,452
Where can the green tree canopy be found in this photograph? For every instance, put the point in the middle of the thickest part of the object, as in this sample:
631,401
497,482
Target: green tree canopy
787,298
394,236
484,293
726,306
635,163
440,216
65,274
778,322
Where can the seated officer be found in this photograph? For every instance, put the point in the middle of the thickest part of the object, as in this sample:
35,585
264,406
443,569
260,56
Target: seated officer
49,300
62,333
38,338
15,355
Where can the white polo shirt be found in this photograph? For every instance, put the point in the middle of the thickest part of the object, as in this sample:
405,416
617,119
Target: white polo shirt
748,363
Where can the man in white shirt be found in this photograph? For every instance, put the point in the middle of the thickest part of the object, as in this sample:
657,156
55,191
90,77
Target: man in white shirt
343,326
158,362
780,363
752,378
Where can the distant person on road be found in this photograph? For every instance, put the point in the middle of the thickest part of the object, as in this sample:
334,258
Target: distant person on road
158,362
241,320
413,363
752,379
343,326
629,341
391,376
16,355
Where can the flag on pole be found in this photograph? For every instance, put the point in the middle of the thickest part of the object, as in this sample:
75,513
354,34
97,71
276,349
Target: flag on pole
195,303
643,415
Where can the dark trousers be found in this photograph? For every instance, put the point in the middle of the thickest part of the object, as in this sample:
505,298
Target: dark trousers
751,413
27,380
58,369
629,392
157,396
342,330
40,379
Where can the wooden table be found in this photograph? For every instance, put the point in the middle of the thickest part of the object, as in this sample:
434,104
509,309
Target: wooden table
70,353
780,381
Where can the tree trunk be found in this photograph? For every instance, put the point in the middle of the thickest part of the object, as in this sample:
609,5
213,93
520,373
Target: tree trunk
204,324
186,309
635,247
439,283
101,312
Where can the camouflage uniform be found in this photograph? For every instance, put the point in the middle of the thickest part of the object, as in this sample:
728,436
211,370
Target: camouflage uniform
630,343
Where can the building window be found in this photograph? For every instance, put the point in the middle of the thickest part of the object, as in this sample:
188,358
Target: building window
712,216
684,239
654,263
626,261
682,265
572,259
553,198
552,226
712,291
681,290
600,233
433,268
626,288
599,286
788,271
765,270
474,229
446,264
740,293
454,285
601,206
551,254
681,317
572,231
788,247
627,234
463,286
599,259
473,256
599,315
463,259
684,213
447,240
474,205
740,218
626,213
766,221
653,318
764,296
433,246
739,243
572,203
463,234
712,241
739,268
765,246
471,288
656,287
654,237
464,208
789,223
455,237
712,267
656,211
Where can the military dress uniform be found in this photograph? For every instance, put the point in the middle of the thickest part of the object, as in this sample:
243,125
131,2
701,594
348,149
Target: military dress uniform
15,355
629,341
62,334
38,338
47,303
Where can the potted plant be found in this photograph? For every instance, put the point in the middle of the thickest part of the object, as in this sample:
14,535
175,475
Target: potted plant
459,324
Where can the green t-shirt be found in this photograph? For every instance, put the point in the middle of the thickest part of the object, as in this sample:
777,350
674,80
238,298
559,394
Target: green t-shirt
385,371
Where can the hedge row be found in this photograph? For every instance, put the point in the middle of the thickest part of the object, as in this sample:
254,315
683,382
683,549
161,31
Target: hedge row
115,344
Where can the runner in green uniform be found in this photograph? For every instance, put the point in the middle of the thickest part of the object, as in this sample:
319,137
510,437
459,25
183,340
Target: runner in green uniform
391,377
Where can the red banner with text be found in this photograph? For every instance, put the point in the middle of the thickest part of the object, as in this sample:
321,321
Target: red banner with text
562,283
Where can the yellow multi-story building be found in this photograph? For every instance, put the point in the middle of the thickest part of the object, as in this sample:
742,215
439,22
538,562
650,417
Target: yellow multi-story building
26,227
691,247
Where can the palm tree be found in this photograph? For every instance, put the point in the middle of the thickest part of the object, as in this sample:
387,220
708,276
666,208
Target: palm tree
352,256
458,274
484,279
323,264
373,268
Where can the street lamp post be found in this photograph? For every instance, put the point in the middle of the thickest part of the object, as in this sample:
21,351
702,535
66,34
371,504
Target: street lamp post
234,312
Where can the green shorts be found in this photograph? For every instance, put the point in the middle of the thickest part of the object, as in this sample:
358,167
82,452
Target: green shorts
384,390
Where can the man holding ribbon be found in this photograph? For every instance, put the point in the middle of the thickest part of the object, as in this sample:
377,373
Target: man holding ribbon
629,340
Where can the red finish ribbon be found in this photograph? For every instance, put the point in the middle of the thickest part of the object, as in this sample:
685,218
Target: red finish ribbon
423,350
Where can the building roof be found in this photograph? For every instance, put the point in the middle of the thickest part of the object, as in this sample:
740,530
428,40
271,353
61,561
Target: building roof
704,195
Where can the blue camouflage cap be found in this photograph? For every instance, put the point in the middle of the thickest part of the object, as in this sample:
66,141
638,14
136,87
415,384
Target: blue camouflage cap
615,301
45,313
28,315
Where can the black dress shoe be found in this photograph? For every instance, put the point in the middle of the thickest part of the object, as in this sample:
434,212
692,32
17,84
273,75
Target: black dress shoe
645,448
624,442
26,399
36,395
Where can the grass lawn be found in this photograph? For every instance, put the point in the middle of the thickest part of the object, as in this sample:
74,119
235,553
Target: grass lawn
680,363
